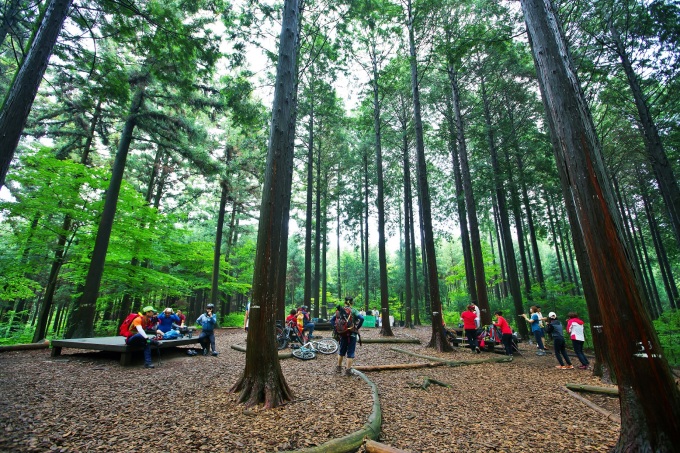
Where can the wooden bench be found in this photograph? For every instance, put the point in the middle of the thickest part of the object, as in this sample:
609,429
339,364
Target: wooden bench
115,344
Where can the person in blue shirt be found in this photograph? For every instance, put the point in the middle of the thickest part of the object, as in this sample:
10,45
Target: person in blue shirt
208,322
348,340
535,322
167,319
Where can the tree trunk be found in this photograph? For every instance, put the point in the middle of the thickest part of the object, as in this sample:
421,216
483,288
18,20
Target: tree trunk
317,235
215,283
668,184
530,223
82,318
385,328
438,340
460,204
475,238
650,400
309,210
506,234
21,94
407,230
414,259
262,380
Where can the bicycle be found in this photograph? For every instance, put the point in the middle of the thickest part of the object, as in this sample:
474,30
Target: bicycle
288,334
308,350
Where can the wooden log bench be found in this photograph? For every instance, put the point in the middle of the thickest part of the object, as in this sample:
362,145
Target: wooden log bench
115,344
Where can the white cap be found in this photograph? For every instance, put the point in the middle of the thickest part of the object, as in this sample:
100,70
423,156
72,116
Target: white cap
552,315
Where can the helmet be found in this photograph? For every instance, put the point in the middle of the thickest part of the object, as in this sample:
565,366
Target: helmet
211,306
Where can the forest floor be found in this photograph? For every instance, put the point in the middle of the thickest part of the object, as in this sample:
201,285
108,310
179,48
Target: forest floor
85,401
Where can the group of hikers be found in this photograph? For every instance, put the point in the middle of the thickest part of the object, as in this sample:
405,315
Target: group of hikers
149,328
540,326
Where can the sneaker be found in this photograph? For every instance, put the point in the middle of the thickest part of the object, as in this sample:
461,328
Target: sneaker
205,351
215,353
583,367
540,352
478,351
149,365
568,367
348,372
338,369
559,367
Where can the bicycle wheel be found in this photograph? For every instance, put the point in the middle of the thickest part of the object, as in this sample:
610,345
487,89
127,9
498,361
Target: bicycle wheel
304,354
281,338
325,345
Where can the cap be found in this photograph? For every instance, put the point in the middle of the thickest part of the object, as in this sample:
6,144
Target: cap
552,315
148,308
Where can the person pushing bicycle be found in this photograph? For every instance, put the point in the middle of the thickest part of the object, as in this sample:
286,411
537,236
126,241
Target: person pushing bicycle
346,322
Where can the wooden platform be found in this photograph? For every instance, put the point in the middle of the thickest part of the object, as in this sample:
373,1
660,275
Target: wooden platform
115,344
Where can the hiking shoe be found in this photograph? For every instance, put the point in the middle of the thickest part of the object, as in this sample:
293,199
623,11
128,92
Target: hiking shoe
477,350
338,369
215,353
568,367
583,367
540,353
149,365
348,372
205,351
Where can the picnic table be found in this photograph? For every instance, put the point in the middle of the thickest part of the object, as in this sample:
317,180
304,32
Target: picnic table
116,344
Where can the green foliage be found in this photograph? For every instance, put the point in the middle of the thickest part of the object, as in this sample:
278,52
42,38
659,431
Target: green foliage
668,328
233,320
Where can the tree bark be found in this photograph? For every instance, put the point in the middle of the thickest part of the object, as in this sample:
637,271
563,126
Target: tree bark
82,318
475,238
262,380
20,97
650,400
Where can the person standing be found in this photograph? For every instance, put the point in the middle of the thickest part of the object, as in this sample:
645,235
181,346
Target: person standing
536,329
208,322
470,326
555,328
137,336
347,321
576,332
245,318
506,332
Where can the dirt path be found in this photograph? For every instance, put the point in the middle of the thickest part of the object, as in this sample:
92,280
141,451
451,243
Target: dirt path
83,402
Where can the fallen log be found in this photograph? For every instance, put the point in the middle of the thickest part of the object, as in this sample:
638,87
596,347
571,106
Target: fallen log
451,363
593,389
353,441
610,415
25,347
427,382
398,366
282,355
390,340
372,446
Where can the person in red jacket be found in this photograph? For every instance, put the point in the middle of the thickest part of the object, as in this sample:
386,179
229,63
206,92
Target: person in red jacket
506,332
470,327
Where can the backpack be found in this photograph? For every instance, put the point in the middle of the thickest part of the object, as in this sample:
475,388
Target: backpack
125,326
344,321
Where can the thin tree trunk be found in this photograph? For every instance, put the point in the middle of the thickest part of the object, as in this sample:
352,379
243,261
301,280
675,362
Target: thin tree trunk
309,210
82,318
438,340
317,236
668,184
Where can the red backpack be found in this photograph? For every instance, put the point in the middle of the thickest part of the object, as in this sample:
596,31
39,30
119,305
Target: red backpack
344,321
125,326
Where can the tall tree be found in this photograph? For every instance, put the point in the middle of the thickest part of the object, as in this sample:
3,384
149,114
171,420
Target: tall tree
18,102
262,380
648,422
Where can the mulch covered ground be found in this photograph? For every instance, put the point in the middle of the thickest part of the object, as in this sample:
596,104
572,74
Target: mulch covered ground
81,402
